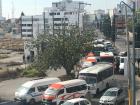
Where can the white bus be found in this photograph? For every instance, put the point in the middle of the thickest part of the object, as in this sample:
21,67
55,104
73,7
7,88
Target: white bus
98,77
107,57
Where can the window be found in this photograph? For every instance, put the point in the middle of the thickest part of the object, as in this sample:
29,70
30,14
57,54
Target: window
76,88
76,103
29,24
57,19
23,24
86,102
83,87
82,103
29,35
58,13
31,90
29,30
61,92
69,90
120,91
42,88
23,30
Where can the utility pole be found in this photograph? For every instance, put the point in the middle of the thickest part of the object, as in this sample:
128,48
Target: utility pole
128,59
132,60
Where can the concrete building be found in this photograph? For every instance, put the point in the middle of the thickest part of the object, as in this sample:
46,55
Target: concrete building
31,26
62,14
99,13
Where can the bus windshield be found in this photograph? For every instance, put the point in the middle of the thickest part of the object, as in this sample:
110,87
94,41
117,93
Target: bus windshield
88,79
107,59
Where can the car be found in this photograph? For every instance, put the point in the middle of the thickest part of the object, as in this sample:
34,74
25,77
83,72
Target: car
124,53
112,96
77,101
111,49
122,64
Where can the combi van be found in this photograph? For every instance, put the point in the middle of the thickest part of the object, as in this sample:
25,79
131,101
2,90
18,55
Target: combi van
58,93
31,91
121,66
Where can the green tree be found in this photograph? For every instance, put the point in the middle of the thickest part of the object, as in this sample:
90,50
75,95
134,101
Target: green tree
61,50
107,26
113,34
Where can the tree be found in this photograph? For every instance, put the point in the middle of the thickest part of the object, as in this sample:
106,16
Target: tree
113,34
107,26
137,35
61,50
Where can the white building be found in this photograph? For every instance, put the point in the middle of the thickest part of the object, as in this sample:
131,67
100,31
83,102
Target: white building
64,13
32,26
99,13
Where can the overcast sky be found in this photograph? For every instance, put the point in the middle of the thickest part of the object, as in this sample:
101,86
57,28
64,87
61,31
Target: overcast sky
33,7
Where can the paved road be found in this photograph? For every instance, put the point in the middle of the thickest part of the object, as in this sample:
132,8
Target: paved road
7,88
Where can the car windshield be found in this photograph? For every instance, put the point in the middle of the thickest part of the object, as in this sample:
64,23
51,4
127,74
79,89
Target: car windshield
51,91
122,60
110,93
22,89
107,59
67,103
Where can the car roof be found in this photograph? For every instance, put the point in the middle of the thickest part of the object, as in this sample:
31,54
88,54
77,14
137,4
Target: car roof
70,82
76,100
113,89
40,81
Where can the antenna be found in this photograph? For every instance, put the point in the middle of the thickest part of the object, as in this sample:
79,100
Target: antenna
13,9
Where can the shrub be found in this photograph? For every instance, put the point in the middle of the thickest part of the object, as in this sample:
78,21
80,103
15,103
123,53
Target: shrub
32,72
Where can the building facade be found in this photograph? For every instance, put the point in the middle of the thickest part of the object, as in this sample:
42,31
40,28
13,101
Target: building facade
63,14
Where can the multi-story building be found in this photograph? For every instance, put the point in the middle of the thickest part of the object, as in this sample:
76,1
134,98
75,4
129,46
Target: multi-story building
31,26
63,14
99,13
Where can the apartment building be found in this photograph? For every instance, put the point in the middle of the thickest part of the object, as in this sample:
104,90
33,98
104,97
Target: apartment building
31,26
62,14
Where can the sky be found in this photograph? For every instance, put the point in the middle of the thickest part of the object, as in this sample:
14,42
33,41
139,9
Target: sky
35,7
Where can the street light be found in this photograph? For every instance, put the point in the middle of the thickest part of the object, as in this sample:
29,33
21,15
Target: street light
131,88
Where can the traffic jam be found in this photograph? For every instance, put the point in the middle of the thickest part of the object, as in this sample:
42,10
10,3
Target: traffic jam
97,71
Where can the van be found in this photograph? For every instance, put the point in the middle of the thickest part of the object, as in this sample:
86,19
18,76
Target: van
31,91
58,93
121,66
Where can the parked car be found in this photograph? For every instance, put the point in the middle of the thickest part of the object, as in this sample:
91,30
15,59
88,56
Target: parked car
77,101
123,53
111,49
112,96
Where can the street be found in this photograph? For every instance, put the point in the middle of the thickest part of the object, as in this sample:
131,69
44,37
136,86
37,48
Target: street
7,88
7,93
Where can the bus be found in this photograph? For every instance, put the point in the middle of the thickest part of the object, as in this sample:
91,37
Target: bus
107,57
98,77
98,48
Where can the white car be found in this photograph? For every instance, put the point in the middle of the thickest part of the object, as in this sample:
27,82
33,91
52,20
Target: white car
112,96
77,101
